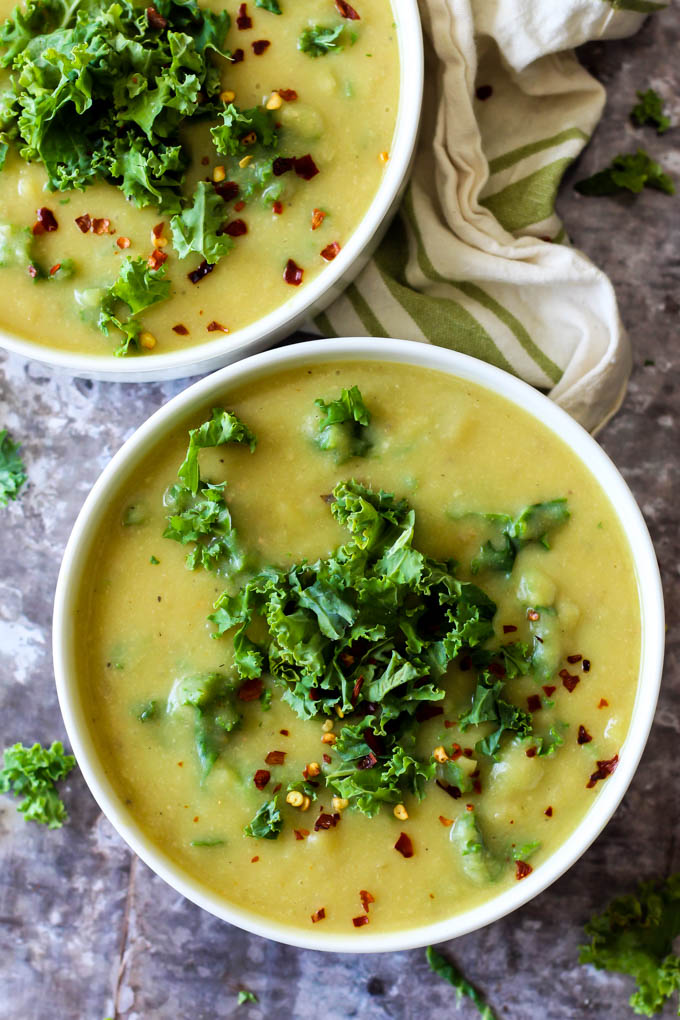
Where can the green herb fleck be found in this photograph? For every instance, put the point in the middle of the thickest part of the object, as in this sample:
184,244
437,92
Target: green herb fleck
269,5
243,995
31,772
650,111
12,471
207,842
148,711
463,988
524,852
267,823
318,40
154,561
632,172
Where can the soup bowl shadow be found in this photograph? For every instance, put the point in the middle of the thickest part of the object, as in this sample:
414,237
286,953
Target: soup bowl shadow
77,559
314,296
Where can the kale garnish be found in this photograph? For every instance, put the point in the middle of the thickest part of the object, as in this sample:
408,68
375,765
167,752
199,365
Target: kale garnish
12,471
649,110
318,40
446,970
632,172
31,772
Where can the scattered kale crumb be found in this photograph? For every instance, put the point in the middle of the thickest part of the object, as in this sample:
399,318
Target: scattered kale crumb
318,40
634,936
631,172
463,988
649,110
31,773
244,995
649,361
154,561
12,471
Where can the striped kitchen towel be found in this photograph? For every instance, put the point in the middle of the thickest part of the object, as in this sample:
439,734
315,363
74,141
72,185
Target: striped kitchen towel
474,261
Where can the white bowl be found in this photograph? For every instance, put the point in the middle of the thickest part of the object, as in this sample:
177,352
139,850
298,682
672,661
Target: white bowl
195,399
311,299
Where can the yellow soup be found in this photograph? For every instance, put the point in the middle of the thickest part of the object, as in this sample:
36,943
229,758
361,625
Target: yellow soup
287,203
500,689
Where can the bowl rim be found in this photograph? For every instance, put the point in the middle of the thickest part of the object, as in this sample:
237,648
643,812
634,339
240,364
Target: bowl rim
449,362
315,295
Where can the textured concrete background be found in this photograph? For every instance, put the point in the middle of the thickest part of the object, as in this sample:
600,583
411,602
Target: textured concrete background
86,931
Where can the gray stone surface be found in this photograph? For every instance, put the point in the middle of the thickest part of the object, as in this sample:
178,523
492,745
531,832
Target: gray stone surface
86,931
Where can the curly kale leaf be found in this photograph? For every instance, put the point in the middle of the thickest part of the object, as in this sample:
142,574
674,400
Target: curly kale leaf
343,425
632,172
12,471
31,772
138,287
649,110
267,823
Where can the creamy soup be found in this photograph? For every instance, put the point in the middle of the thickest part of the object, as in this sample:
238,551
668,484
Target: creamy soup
290,193
369,800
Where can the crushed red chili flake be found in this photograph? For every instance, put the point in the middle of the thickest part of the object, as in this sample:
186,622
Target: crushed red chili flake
284,733
603,703
452,791
180,329
484,92
366,898
276,788
533,615
33,271
237,56
357,689
456,751
428,711
318,216
254,860
261,778
259,46
243,19
305,167
84,223
585,665
301,833
55,268
201,271
522,870
574,658
101,226
404,845
359,922
367,762
205,161
292,274
237,228
604,769
46,221
497,669
477,786
447,822
156,259
319,914
531,752
250,690
277,208
327,758
548,812
155,20
275,758
583,736
468,752
240,205
448,724
281,165
288,95
330,251
569,680
509,628
227,190
123,242
549,690
347,12
326,821
533,703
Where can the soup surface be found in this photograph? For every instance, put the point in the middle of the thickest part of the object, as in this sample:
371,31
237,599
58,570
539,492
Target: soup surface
507,742
291,193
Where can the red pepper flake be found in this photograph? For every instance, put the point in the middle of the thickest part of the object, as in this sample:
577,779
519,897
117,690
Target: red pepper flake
259,46
531,752
101,226
452,791
477,786
254,860
569,680
367,762
604,769
583,736
327,758
277,208
548,812
275,758
404,845
156,259
456,751
325,821
237,56
497,669
523,869
574,658
603,703
585,665
180,329
55,268
228,190
301,833
237,228
281,165
180,763
509,628
123,242
549,690
318,216
199,272
155,20
250,690
366,899
330,251
533,615
359,922
84,223
205,161
284,733
319,914
305,167
243,20
288,95
292,274
449,724
46,221
261,778
468,752
240,205
357,690
534,703
347,12
484,92
446,822
276,788
157,231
